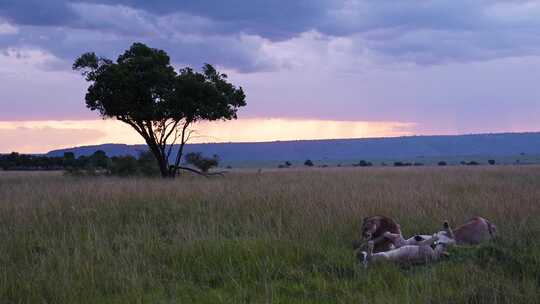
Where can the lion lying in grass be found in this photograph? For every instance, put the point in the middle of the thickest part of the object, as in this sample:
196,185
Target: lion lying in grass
413,250
419,249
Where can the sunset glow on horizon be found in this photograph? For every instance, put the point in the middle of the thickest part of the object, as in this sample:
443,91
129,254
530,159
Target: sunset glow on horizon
43,136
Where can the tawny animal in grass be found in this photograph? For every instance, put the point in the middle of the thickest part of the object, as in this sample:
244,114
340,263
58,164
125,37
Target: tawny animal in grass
410,251
446,236
373,229
473,232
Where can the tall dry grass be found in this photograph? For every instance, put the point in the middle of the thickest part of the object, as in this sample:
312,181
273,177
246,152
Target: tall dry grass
271,237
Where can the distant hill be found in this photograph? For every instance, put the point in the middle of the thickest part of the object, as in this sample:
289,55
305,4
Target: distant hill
500,146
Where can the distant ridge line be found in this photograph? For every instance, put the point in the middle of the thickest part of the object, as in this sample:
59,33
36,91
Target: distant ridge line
402,147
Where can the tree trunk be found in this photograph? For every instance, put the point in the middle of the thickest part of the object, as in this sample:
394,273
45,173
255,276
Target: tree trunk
164,169
160,158
179,155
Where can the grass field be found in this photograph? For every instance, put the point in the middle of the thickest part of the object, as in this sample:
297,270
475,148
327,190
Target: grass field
281,236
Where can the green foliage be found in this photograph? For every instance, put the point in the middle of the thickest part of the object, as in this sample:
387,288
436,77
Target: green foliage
124,166
147,164
99,160
202,163
16,161
96,164
143,90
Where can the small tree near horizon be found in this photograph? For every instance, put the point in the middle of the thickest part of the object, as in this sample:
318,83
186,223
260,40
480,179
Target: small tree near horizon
143,90
308,163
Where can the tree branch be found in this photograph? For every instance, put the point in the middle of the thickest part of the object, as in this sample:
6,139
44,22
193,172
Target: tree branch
205,174
181,147
171,145
165,135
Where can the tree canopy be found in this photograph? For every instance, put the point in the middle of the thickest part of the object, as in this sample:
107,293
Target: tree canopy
143,90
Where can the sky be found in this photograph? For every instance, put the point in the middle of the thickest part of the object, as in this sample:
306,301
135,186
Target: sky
310,68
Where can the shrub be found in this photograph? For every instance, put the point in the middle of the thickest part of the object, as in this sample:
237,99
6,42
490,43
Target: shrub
124,166
308,163
147,164
491,162
363,163
442,163
200,162
99,160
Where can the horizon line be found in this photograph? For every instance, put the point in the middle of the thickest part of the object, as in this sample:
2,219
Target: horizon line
300,140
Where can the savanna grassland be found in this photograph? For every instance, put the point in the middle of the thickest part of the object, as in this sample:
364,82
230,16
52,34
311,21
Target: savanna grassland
281,236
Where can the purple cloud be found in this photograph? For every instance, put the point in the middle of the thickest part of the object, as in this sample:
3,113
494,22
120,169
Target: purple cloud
449,66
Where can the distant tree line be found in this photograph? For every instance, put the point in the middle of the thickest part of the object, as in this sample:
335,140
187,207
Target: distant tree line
99,163
16,161
364,163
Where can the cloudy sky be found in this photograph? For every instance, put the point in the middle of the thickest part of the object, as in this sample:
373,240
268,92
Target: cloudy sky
310,68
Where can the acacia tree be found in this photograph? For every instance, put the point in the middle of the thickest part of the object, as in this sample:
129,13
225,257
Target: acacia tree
143,90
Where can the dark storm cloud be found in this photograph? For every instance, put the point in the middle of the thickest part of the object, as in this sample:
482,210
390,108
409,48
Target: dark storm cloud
232,33
273,19
37,12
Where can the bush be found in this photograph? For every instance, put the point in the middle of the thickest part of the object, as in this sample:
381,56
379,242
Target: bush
124,166
363,163
99,160
491,162
308,163
147,164
287,164
470,163
69,160
200,162
442,163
